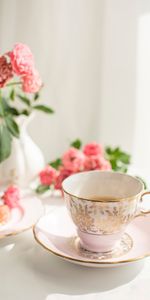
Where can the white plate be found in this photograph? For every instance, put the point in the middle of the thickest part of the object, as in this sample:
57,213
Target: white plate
23,217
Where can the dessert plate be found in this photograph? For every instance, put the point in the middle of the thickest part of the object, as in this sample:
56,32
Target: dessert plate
57,234
24,216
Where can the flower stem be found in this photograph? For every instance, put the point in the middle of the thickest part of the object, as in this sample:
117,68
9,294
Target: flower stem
13,83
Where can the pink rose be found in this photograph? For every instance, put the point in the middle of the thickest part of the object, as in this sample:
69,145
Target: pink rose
48,175
21,59
61,176
93,149
96,162
105,164
73,160
6,72
31,83
92,162
11,196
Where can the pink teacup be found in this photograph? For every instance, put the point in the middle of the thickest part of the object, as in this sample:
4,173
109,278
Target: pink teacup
102,204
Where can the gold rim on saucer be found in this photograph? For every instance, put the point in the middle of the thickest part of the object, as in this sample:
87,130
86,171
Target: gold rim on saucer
87,261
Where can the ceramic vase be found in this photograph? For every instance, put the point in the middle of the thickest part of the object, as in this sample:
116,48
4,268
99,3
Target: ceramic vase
26,159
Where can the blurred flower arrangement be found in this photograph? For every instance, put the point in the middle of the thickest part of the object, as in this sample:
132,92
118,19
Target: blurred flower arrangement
92,156
18,76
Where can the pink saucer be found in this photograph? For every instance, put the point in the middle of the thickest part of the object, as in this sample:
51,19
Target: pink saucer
57,234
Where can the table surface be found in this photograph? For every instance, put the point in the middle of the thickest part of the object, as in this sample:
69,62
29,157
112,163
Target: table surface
28,272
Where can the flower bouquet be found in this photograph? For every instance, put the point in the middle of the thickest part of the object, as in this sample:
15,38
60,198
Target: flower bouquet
20,84
92,156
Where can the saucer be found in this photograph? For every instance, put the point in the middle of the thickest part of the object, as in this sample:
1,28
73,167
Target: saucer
57,234
23,217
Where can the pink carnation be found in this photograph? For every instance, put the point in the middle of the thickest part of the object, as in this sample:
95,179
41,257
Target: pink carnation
48,175
73,160
21,59
11,196
31,83
6,72
96,162
93,149
61,176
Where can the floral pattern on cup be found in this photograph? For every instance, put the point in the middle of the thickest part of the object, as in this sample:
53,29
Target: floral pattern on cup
101,217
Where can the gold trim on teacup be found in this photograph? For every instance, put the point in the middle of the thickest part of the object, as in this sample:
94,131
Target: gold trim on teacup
104,200
87,261
108,200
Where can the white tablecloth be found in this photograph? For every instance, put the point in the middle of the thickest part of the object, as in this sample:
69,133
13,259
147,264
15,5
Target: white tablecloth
28,272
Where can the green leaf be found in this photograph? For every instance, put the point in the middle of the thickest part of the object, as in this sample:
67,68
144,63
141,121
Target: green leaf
12,126
42,189
36,96
9,109
25,100
76,144
5,105
2,107
25,112
12,95
125,158
118,159
13,111
44,108
56,163
113,165
5,142
108,150
122,169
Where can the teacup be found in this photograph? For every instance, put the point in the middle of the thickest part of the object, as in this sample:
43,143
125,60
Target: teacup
102,204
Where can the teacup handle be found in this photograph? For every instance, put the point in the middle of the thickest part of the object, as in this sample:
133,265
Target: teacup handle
142,211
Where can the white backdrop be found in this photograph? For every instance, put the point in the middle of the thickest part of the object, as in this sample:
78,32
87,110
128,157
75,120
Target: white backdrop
94,58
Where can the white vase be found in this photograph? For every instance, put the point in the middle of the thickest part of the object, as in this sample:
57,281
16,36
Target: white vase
26,159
